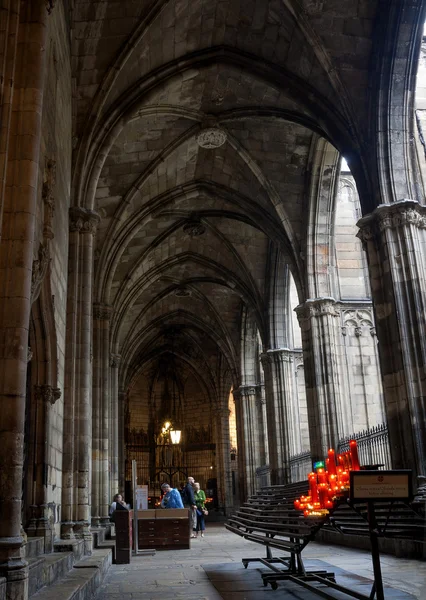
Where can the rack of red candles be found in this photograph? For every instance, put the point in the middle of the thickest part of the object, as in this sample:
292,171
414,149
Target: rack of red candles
327,486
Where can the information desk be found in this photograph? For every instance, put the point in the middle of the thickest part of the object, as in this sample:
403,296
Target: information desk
164,529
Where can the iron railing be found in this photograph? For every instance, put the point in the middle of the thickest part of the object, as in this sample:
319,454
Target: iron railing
373,449
300,466
373,446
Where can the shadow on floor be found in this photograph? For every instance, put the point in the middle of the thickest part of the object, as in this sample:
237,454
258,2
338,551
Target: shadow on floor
233,582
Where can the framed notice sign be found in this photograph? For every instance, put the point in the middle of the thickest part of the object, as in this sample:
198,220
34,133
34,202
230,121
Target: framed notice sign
380,485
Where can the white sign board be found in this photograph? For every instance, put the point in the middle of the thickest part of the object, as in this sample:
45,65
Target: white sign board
380,485
142,497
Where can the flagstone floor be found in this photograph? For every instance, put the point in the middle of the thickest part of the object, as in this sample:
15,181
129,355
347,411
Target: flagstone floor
212,570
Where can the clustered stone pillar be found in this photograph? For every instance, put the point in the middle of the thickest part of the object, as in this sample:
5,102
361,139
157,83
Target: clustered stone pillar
114,411
20,136
46,395
122,400
394,237
278,391
248,423
321,340
101,415
262,425
223,449
77,460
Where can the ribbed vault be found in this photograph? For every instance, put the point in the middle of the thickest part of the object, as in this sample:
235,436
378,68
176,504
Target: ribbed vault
191,237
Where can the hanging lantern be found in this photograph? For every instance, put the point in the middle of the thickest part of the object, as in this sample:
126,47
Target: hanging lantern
175,435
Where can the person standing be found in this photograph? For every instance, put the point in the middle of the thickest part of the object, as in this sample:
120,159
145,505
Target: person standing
118,499
188,499
200,500
171,498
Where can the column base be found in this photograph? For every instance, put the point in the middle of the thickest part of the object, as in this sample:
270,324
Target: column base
67,530
82,531
14,568
95,521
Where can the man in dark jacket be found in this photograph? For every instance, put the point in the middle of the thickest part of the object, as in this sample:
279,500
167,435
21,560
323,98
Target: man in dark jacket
188,499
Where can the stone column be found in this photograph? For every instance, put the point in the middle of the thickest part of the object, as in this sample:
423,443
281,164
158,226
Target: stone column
101,415
394,237
78,394
223,448
278,389
20,147
47,395
321,340
122,399
248,430
114,412
262,425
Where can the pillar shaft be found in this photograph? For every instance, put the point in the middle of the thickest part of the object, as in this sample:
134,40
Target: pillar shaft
320,325
224,458
78,392
22,83
394,237
249,432
101,415
122,399
114,412
278,399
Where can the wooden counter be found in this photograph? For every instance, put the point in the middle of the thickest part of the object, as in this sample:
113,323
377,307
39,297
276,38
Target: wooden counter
164,529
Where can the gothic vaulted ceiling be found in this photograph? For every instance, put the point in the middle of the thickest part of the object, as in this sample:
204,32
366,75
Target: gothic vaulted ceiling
188,232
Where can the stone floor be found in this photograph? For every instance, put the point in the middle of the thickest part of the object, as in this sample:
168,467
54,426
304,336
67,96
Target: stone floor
214,563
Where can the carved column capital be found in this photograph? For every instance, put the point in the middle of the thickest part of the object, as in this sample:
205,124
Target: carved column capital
47,393
102,312
50,5
281,355
391,216
83,220
317,307
115,360
244,391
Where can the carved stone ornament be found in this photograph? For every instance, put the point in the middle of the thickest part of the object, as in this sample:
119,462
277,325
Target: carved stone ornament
47,393
40,267
49,181
391,216
83,220
50,5
211,137
194,228
317,307
248,390
29,354
182,292
115,360
102,312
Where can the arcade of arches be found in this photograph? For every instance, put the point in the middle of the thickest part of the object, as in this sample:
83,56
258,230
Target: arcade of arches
212,213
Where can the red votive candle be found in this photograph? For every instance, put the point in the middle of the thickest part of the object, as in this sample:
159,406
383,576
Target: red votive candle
340,461
323,494
322,476
353,449
313,488
331,465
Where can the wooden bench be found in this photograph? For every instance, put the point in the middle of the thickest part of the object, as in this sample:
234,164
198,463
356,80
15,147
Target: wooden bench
270,519
394,520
